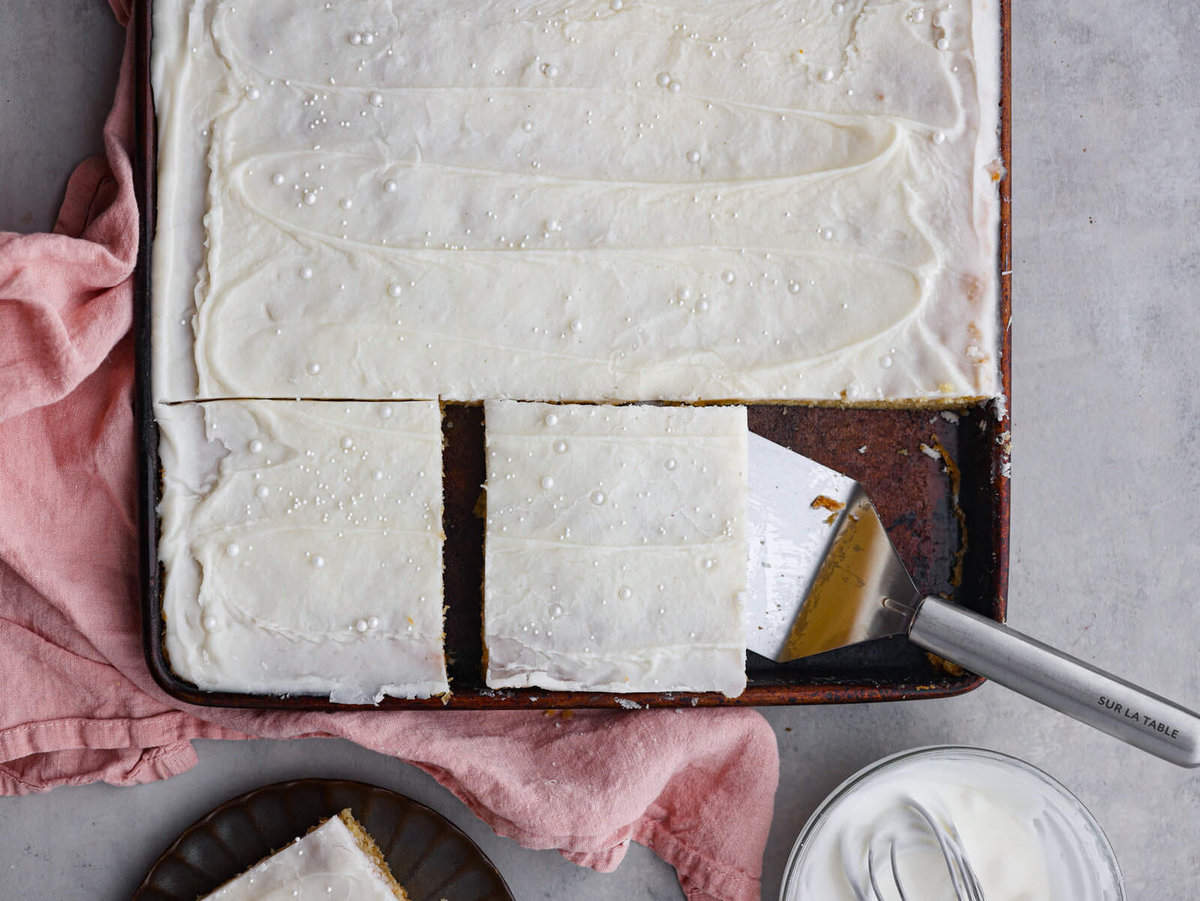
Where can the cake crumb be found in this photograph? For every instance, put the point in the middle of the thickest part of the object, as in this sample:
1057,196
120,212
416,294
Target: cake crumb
825,502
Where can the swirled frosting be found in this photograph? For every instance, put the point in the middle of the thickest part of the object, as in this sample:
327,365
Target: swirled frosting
627,199
302,545
615,555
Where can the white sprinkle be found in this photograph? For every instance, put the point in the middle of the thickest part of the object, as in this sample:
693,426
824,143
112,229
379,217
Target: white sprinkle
693,156
624,592
314,368
551,419
252,93
346,203
356,38
939,137
547,482
210,622
306,272
390,186
598,498
576,326
375,99
527,125
664,79
826,75
671,463
263,491
550,70
256,446
277,178
560,447
318,562
727,276
233,550
395,290
942,44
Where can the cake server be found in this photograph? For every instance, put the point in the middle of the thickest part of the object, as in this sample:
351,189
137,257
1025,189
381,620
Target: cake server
824,575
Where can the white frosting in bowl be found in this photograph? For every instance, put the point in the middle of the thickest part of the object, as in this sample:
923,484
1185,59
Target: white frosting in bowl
1023,836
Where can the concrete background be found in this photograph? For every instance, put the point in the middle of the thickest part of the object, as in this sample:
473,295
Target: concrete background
1106,491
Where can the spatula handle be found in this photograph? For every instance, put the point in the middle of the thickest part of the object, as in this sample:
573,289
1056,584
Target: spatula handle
1058,680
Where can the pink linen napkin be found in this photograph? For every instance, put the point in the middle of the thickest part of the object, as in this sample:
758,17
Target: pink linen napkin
78,703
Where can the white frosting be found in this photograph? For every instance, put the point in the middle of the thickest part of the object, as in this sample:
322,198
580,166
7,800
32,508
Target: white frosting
1024,838
325,865
598,201
302,543
615,555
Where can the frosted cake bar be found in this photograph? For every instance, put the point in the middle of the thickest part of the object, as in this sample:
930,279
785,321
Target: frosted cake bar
302,544
615,555
443,198
338,859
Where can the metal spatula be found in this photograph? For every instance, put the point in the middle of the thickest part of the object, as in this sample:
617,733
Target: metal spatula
823,575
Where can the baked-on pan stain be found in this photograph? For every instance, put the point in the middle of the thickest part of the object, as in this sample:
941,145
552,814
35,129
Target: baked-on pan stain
430,856
913,494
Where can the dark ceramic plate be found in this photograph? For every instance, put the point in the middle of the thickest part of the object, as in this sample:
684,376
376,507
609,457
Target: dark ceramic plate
430,856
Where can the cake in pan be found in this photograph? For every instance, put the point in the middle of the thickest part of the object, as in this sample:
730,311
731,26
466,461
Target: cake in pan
302,547
615,555
600,200
368,201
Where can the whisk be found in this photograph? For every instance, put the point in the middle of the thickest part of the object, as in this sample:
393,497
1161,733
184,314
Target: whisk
882,867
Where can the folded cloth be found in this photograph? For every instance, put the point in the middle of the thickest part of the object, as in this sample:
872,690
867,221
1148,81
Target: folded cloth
78,703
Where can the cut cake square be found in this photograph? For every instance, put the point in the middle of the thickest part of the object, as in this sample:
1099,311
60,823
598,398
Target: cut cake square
336,859
302,543
615,552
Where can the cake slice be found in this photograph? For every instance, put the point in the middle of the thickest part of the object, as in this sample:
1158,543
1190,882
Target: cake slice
302,546
615,547
337,859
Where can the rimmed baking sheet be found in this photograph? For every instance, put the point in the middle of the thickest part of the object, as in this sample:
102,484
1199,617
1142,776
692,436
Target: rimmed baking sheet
939,477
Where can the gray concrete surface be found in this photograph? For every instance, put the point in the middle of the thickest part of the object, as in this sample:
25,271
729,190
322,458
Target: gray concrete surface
1106,490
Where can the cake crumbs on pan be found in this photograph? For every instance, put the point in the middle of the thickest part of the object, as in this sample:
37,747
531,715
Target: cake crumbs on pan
955,475
627,704
950,417
863,449
825,502
930,452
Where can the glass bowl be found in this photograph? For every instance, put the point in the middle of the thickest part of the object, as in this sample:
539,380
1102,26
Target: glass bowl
1076,857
